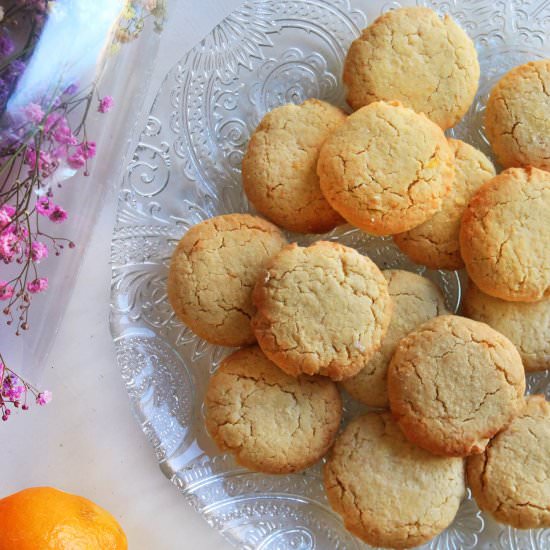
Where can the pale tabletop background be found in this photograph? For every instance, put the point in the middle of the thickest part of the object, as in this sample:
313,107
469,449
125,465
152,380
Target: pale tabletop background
87,441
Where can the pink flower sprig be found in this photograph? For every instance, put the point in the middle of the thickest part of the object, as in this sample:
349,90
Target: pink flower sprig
105,104
41,145
16,393
28,245
41,141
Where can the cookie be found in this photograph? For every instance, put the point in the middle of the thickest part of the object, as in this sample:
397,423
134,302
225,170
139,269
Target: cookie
415,300
517,118
526,325
386,169
413,56
279,167
435,242
453,384
511,479
505,236
323,310
213,271
270,421
389,492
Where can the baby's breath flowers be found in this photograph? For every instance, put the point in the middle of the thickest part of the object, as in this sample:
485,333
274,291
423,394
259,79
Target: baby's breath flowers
42,143
16,393
38,143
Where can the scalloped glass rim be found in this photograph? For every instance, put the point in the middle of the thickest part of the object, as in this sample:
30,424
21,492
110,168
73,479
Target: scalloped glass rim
186,167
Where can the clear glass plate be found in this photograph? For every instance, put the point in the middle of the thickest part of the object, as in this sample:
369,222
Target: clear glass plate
186,167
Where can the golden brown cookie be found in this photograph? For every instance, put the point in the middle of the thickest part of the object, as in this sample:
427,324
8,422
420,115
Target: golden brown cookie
270,421
435,242
279,167
386,169
413,56
505,236
323,309
415,300
526,325
213,271
511,479
517,119
389,492
453,384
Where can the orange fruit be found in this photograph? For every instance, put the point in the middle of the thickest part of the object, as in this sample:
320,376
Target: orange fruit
43,518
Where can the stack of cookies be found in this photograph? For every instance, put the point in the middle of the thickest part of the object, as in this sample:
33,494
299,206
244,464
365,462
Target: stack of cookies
448,390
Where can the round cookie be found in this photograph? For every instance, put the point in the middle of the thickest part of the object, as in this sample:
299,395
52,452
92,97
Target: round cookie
270,421
526,325
213,271
415,300
505,236
453,384
517,120
389,492
386,169
323,310
279,167
511,479
411,55
435,242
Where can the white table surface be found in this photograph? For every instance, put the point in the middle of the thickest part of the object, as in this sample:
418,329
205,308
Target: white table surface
87,441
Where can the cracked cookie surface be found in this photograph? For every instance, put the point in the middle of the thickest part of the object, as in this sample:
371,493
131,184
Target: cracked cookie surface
505,235
453,384
270,421
413,56
511,479
386,169
213,271
526,325
415,300
435,242
323,310
279,167
389,492
517,118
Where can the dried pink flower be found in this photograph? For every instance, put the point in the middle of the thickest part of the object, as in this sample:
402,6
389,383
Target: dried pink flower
12,387
51,121
58,215
60,152
39,251
9,246
6,292
87,149
9,209
76,160
44,397
44,206
13,393
33,113
105,104
63,134
30,157
37,285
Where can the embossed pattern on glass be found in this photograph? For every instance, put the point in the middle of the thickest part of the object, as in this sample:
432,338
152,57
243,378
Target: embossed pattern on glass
186,167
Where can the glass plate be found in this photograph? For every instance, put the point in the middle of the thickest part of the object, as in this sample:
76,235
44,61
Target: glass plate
186,168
